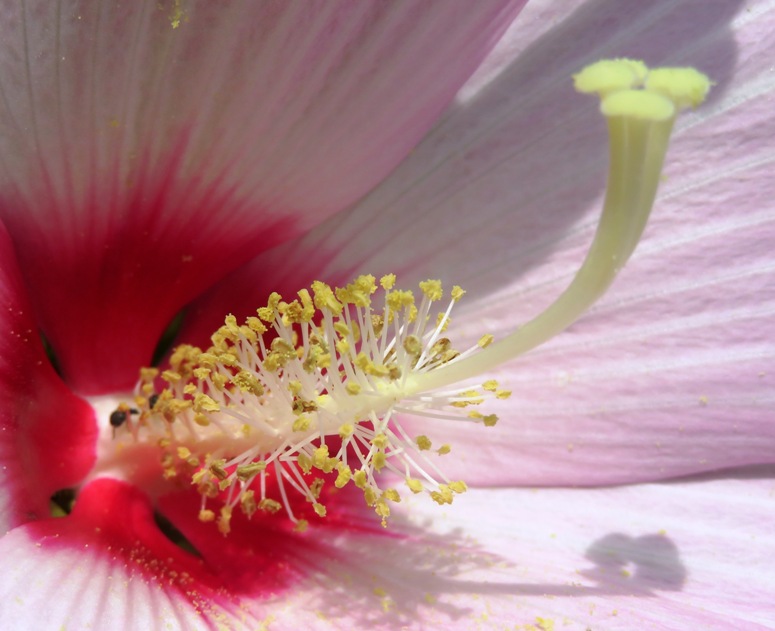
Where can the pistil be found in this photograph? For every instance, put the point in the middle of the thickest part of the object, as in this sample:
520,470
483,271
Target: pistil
312,389
640,106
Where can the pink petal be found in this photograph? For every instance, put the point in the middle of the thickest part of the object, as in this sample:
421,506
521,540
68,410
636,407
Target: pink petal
148,150
672,372
46,433
121,572
694,555
690,555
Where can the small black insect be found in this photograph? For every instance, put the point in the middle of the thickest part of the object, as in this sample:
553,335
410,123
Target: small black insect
118,417
152,400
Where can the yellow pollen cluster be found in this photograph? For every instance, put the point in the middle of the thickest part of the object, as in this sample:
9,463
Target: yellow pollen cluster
308,391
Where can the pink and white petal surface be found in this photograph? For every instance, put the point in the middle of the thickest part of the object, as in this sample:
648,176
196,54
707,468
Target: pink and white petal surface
672,372
149,148
108,566
688,555
47,434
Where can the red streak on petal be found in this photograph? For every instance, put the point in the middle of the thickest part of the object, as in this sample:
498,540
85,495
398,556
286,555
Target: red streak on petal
106,274
47,434
259,559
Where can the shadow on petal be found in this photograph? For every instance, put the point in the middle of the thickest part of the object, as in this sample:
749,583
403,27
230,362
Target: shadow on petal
497,189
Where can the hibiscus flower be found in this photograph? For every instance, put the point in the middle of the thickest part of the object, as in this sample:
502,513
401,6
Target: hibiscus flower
158,157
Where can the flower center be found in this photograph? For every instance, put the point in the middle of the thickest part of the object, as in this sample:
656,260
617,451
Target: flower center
320,398
309,390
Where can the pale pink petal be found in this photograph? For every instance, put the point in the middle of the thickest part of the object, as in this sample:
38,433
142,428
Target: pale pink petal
148,148
689,555
108,566
673,371
694,555
46,433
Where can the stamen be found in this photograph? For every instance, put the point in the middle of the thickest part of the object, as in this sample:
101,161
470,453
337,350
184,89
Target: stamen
309,390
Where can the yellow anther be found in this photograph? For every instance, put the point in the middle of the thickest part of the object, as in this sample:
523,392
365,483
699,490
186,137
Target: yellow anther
380,441
308,307
457,292
248,503
346,430
490,385
503,394
382,509
256,325
415,486
201,373
148,374
301,526
324,298
247,382
388,281
423,442
398,300
342,328
392,495
247,471
269,506
485,340
489,420
458,487
352,388
301,424
319,509
370,496
413,345
432,289
320,460
217,468
360,479
183,452
304,462
443,495
379,460
224,521
206,515
444,449
170,376
342,347
204,403
344,475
